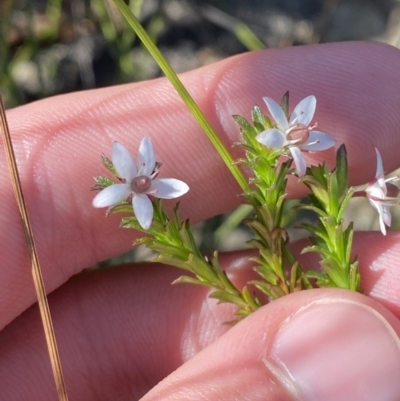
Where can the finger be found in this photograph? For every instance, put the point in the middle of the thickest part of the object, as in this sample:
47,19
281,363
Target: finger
121,332
320,345
58,142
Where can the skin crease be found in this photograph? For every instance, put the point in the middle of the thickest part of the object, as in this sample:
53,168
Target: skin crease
122,331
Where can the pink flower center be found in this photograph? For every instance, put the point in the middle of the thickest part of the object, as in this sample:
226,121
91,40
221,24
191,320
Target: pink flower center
141,184
298,134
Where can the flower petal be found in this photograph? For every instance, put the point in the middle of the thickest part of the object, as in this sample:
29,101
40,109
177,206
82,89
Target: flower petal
123,161
276,113
384,214
381,221
272,138
111,195
379,165
382,225
143,208
303,113
318,141
147,157
375,191
299,160
168,188
379,176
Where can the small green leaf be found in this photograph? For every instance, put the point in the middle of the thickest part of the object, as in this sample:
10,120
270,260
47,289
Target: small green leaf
101,183
316,230
349,233
108,164
254,303
188,280
224,297
187,238
123,207
257,115
333,194
268,275
202,268
312,181
315,209
323,279
345,201
294,276
285,104
274,292
342,175
245,126
171,251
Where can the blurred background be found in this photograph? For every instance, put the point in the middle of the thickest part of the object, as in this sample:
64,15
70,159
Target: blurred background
58,46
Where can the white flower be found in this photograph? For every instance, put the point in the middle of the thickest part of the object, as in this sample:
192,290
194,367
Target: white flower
138,181
382,194
295,134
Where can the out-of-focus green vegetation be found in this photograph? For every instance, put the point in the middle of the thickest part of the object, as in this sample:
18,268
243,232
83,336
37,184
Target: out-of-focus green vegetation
58,46
28,32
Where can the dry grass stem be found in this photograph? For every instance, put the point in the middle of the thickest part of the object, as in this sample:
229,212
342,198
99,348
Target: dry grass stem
36,272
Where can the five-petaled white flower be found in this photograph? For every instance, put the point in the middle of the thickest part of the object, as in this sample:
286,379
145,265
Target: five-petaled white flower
296,134
138,181
382,194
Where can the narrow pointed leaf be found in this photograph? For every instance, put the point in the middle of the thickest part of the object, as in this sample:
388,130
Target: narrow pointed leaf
108,164
342,176
285,104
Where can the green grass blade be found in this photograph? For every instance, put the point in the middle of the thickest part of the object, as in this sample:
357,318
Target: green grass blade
183,93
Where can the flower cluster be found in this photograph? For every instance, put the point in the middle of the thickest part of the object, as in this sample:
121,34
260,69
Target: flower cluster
297,135
279,272
138,182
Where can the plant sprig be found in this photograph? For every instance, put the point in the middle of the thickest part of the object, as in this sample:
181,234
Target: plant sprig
173,240
272,150
268,196
333,241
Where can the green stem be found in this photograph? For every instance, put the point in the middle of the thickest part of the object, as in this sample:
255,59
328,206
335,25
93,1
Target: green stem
183,93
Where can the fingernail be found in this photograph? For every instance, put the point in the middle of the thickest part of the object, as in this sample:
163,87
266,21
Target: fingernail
338,350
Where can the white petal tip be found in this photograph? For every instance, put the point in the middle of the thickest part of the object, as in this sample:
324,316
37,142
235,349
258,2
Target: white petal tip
143,209
145,226
99,201
111,195
184,188
169,188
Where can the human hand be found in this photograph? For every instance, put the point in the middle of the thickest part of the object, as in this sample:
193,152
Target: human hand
123,330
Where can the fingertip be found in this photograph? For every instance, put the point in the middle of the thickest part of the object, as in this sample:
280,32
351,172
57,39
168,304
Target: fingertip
320,345
350,342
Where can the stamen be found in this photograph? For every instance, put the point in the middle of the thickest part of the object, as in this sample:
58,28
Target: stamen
314,143
298,134
153,192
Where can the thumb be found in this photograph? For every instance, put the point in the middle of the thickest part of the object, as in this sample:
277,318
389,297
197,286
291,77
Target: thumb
322,345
